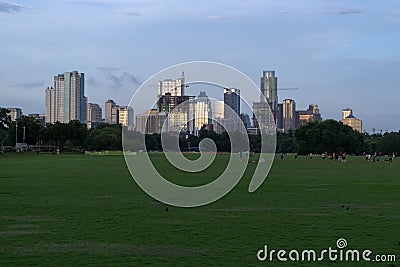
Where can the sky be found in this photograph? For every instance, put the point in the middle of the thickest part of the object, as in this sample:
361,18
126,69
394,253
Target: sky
339,54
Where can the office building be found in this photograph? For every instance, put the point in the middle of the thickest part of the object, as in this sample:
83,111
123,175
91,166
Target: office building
350,120
126,116
94,115
269,88
151,121
173,87
15,113
289,115
66,100
111,112
309,115
39,117
203,111
246,120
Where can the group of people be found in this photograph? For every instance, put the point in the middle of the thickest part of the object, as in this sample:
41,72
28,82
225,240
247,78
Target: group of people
342,156
375,157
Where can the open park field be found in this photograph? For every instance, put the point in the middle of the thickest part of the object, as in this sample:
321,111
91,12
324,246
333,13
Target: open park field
72,210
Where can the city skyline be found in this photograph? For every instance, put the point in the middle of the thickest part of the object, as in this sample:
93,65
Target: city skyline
340,54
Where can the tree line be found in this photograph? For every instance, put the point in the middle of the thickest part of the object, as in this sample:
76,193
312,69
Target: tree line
314,137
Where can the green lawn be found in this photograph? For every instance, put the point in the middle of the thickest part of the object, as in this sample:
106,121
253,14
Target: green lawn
71,210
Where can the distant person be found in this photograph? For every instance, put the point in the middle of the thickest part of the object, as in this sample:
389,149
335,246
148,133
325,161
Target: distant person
374,157
58,151
295,155
240,154
323,156
311,155
281,156
334,156
344,157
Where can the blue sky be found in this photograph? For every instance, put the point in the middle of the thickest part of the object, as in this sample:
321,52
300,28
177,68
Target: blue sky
339,53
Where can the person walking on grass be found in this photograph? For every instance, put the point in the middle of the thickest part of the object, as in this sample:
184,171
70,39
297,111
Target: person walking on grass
295,156
344,157
282,156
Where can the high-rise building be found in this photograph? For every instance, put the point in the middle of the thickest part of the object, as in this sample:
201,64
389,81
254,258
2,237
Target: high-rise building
203,111
289,115
263,117
150,121
232,102
111,112
350,120
39,117
269,88
126,116
311,114
232,99
346,113
173,87
94,115
246,120
66,100
15,113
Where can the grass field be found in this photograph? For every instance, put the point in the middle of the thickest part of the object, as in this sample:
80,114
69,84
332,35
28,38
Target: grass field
71,210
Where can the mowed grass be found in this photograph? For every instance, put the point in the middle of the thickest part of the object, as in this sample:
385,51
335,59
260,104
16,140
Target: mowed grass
71,210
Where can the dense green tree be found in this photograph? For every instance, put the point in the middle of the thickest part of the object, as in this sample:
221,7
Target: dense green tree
285,143
5,118
329,135
32,127
104,137
389,143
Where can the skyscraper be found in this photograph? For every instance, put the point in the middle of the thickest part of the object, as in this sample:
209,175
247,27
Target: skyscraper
151,121
173,87
350,120
15,113
346,113
203,111
289,115
126,116
311,114
111,112
269,88
66,100
232,99
94,115
232,120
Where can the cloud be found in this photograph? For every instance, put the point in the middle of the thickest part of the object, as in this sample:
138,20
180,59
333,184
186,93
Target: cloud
132,13
349,11
28,85
119,80
217,17
10,8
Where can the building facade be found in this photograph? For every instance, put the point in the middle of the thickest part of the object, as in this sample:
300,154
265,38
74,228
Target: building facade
269,88
350,120
151,121
15,113
66,100
289,115
94,115
203,111
173,87
126,116
309,115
